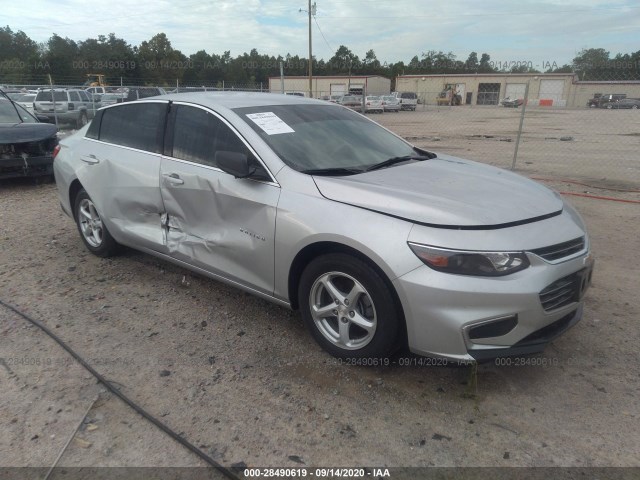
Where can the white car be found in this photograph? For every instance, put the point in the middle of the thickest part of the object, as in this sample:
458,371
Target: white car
26,101
408,100
390,103
373,104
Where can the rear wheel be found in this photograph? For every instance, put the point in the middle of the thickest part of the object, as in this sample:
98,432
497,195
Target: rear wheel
634,107
348,307
93,232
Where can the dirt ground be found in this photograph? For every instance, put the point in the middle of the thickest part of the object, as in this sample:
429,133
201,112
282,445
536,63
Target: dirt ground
242,380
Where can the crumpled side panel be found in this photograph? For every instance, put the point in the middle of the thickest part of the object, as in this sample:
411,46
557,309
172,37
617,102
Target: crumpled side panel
222,224
124,187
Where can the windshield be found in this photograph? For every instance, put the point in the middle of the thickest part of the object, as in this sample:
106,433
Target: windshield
311,137
8,113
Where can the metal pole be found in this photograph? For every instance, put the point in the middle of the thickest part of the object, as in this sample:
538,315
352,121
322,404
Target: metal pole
281,77
53,99
524,105
364,96
310,57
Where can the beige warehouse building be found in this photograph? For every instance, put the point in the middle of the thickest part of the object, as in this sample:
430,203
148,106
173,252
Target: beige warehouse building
545,89
324,86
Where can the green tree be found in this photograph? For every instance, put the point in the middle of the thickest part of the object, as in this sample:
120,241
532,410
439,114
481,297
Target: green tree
19,56
590,62
60,55
472,65
159,62
345,61
485,64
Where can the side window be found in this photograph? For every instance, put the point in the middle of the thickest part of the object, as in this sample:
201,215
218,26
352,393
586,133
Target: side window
194,135
84,96
74,97
198,135
227,140
138,126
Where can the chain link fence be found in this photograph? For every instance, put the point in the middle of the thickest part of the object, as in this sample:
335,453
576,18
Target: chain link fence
583,135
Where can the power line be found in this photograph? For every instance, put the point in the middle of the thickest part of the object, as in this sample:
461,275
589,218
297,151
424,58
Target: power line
323,37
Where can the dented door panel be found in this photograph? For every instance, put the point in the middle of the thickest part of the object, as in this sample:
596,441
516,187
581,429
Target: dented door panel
219,223
126,187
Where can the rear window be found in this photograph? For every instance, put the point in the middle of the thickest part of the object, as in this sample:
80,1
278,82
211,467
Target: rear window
138,126
408,95
49,96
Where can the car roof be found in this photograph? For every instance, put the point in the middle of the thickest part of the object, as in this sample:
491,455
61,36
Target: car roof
232,100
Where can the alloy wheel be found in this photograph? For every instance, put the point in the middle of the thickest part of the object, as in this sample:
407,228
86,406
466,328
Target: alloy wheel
343,310
90,223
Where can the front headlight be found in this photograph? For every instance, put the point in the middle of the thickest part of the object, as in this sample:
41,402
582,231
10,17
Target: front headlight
465,262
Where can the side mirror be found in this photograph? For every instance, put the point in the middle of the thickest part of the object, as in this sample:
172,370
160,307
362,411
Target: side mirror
234,163
43,118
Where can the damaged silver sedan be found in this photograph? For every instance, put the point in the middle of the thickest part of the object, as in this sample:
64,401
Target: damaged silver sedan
315,207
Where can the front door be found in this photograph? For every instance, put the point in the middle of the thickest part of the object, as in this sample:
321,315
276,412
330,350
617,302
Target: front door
214,221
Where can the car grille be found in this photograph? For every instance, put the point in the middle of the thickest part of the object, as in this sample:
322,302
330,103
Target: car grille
562,292
561,250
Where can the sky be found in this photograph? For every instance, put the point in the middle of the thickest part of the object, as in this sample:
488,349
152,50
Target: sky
541,32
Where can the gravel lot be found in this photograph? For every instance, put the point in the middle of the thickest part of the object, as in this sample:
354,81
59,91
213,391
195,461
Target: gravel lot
242,379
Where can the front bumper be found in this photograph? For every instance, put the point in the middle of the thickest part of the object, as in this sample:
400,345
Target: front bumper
443,311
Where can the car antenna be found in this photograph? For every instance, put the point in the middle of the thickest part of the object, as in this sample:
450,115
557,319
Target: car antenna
13,104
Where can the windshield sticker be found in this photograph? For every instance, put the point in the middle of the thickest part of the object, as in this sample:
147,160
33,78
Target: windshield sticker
270,123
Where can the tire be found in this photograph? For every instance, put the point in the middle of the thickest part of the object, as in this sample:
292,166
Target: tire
82,120
634,107
609,106
365,323
93,232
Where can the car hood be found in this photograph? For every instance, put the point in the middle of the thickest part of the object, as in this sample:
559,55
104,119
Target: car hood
446,192
26,132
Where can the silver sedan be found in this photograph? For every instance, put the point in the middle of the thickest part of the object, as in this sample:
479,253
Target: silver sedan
315,207
390,103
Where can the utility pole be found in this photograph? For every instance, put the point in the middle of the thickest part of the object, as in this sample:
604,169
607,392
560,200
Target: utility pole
312,11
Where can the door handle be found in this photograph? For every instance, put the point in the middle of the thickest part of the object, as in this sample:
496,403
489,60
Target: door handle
173,178
90,159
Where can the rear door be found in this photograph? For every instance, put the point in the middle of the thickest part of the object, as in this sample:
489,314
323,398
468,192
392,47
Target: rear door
120,166
214,221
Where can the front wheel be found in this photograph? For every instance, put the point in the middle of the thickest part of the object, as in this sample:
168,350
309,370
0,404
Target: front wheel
634,107
349,308
93,232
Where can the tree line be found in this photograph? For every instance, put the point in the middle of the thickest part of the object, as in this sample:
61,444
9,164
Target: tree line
156,62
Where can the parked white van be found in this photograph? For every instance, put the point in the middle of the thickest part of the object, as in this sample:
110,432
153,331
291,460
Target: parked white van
408,100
